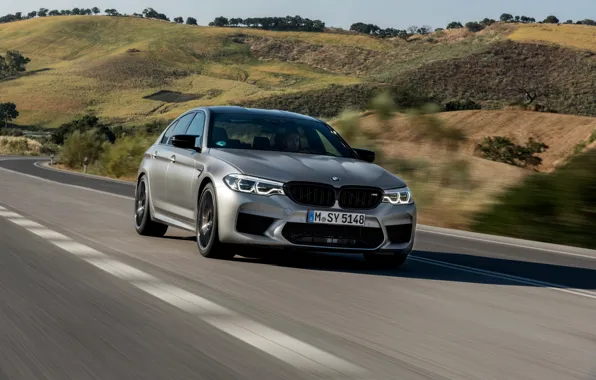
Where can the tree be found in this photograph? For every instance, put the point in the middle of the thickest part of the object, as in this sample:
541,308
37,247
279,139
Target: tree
221,21
404,35
178,20
43,12
487,22
501,149
8,112
13,63
32,14
506,17
455,25
152,13
55,12
95,10
474,26
191,21
82,124
413,29
551,20
111,12
424,30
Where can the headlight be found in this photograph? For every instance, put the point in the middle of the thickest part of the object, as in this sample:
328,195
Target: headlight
253,185
402,196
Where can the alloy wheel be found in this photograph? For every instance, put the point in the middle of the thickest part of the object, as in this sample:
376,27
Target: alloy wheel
205,219
140,204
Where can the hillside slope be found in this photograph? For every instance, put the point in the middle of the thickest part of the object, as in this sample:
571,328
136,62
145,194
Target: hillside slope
83,63
560,132
128,69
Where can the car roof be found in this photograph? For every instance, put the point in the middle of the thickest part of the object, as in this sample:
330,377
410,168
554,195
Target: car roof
255,111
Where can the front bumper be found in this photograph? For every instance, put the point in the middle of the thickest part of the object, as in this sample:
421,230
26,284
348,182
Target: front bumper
278,222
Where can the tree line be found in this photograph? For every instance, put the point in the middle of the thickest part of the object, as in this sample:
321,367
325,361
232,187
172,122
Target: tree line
473,26
296,23
288,23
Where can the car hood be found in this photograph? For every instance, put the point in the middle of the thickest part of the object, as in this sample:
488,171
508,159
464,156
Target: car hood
286,167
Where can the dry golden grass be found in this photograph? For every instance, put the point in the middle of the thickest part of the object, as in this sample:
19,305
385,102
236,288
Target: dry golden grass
577,36
19,145
87,67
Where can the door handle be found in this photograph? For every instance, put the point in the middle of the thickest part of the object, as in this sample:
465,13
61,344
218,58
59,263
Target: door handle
173,158
154,155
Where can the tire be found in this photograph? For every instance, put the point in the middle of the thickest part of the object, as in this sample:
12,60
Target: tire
207,230
142,212
386,261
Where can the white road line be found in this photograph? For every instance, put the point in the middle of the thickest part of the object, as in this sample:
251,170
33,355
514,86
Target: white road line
118,269
25,223
78,249
10,214
503,276
284,347
68,184
183,300
507,244
270,341
47,234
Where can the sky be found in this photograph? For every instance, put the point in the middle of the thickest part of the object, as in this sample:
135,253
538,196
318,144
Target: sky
335,13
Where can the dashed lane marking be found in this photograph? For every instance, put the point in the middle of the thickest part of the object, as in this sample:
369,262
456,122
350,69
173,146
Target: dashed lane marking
277,344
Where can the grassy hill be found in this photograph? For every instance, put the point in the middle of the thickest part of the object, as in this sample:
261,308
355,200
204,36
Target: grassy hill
127,69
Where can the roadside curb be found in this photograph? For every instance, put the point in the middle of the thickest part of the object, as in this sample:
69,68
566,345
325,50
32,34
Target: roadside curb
46,165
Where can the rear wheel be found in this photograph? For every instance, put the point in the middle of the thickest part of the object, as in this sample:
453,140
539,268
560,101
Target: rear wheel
386,261
207,227
143,223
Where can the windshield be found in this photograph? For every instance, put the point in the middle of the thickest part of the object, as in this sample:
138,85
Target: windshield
282,134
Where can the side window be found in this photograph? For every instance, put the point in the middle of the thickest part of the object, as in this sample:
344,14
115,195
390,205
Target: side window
180,128
197,127
168,133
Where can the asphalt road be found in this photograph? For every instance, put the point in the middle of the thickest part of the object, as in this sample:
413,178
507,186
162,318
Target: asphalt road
82,296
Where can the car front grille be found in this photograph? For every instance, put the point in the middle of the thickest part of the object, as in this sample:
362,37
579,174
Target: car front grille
322,195
333,235
360,198
311,194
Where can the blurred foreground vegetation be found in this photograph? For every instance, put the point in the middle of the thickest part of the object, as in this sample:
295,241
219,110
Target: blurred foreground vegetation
557,208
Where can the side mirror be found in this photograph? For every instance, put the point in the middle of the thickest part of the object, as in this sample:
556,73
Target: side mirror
365,154
186,142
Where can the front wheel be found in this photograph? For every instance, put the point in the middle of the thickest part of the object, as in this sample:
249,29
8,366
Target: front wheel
143,223
386,261
207,227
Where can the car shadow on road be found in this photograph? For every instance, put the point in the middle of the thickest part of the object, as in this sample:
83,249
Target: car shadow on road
443,266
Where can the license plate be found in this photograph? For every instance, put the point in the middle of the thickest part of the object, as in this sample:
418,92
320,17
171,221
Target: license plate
332,217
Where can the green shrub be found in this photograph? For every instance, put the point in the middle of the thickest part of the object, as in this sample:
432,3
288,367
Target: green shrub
79,145
383,105
502,149
122,159
557,208
579,147
592,136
